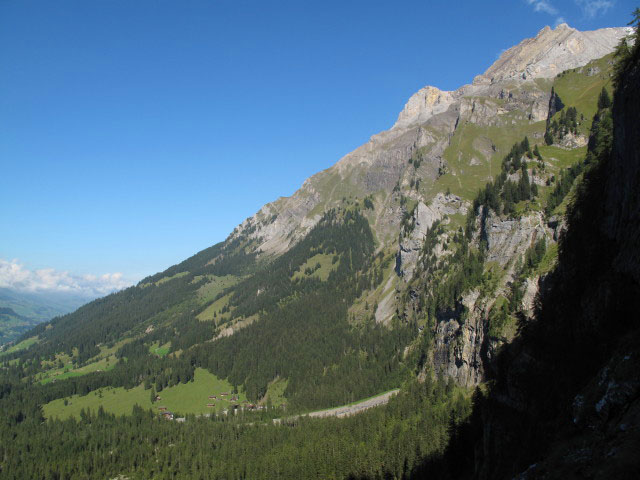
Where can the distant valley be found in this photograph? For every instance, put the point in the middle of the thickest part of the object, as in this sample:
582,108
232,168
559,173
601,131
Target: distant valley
20,311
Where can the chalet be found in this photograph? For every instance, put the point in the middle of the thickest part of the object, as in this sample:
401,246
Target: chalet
168,415
211,404
212,397
224,394
158,398
162,408
234,398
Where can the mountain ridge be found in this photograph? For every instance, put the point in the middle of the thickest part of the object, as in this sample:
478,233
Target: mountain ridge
428,104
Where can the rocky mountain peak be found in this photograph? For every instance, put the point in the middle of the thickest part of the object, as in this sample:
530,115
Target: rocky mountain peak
423,104
550,52
377,166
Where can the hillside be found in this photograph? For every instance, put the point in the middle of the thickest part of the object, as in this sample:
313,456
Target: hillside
21,311
414,263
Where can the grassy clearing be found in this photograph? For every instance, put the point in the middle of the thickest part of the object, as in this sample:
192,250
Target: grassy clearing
319,266
579,90
557,158
214,311
215,287
160,350
501,324
465,179
23,345
173,277
184,398
275,392
165,279
549,260
59,374
105,351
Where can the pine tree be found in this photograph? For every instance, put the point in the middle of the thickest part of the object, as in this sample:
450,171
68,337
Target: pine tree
604,101
536,152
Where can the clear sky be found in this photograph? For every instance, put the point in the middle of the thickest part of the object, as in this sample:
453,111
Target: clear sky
136,133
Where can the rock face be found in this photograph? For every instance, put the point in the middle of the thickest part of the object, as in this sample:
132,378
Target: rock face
457,351
423,105
551,52
422,220
507,239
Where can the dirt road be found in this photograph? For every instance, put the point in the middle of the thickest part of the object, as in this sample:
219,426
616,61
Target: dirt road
346,410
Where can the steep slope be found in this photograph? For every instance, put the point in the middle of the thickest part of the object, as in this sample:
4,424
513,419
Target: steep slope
426,123
585,423
387,265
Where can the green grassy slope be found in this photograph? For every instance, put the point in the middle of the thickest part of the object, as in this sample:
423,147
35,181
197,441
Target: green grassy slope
184,398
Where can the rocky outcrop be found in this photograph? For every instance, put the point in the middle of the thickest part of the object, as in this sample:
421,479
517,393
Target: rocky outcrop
551,52
507,239
423,105
458,344
461,344
422,220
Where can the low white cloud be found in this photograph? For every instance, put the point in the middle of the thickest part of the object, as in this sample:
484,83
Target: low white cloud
16,276
543,6
593,8
559,20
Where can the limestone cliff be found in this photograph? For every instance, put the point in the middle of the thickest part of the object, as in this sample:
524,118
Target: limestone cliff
551,52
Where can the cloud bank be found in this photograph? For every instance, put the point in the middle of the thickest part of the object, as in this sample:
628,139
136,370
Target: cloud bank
16,276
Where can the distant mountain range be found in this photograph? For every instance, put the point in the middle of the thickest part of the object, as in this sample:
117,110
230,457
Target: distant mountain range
20,311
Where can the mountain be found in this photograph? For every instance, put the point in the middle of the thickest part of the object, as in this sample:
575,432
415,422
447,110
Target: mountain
407,200
481,255
514,86
21,311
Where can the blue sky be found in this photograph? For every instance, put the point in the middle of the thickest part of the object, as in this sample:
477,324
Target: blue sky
136,133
